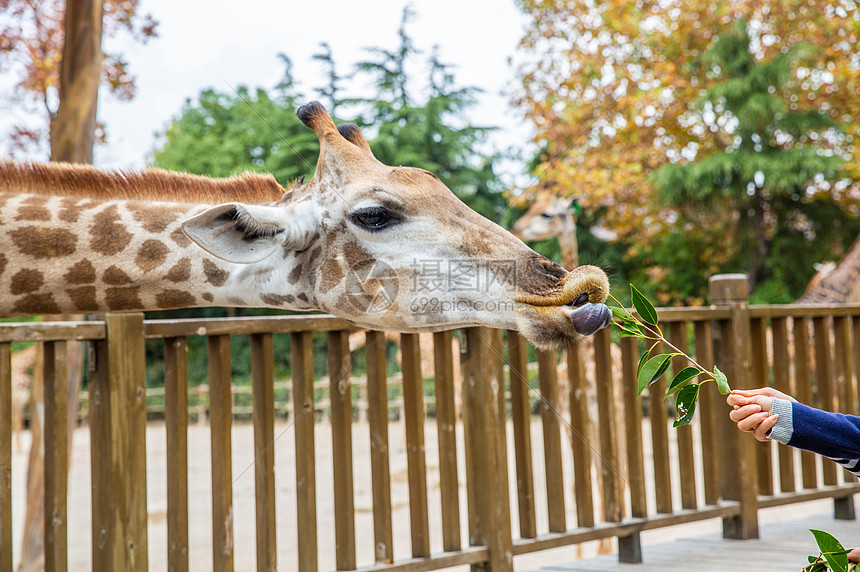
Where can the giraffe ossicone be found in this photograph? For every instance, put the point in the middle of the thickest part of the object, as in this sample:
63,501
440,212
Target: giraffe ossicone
383,247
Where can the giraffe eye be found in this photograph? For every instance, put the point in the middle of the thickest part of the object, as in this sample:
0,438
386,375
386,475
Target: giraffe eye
374,218
547,215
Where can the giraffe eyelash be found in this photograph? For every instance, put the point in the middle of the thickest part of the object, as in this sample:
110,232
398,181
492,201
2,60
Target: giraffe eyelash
251,228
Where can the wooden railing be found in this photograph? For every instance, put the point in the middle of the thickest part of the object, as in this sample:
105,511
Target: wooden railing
652,475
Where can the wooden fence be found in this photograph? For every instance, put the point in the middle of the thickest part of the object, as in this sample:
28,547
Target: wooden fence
714,472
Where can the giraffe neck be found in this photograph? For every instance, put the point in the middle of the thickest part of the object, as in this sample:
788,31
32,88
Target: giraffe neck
569,245
73,254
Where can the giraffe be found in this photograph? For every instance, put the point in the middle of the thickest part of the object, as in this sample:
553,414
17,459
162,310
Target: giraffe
551,215
361,240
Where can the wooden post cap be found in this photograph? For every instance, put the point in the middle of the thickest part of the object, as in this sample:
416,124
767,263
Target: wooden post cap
725,288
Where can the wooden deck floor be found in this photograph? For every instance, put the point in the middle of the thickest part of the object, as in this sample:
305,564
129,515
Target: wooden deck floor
782,546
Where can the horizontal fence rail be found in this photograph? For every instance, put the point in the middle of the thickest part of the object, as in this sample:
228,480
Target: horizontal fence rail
585,458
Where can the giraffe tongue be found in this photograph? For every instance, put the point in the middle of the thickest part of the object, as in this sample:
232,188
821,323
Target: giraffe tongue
590,318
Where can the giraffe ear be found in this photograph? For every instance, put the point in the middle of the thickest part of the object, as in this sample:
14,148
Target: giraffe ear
244,234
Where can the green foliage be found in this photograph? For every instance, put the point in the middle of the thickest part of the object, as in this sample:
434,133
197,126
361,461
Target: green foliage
770,178
224,134
833,555
647,327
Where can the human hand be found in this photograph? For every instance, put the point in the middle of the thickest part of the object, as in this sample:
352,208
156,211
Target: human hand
751,410
854,555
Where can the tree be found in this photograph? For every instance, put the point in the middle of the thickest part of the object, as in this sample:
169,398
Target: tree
758,176
615,91
428,134
224,134
31,42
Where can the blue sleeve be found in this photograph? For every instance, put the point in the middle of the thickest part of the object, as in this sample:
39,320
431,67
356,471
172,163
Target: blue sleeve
833,435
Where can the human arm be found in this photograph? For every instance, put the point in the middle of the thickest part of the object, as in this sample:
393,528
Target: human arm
770,414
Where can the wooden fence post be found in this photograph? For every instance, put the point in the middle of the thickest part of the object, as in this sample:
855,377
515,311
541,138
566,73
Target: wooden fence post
118,437
489,504
5,457
740,481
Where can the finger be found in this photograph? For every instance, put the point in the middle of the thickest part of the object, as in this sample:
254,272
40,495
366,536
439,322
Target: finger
750,423
761,431
754,392
854,555
744,412
766,403
734,399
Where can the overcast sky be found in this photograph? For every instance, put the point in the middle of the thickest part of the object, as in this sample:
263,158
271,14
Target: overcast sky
216,43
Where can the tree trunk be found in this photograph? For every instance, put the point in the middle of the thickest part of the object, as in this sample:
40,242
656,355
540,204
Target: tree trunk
755,271
72,139
73,129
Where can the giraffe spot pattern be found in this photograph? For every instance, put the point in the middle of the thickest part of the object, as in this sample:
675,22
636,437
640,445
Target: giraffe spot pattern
151,255
180,272
33,213
295,274
174,299
277,299
208,296
116,276
26,281
43,303
82,272
70,210
214,275
40,242
3,262
332,274
108,235
123,298
303,297
84,298
154,219
180,238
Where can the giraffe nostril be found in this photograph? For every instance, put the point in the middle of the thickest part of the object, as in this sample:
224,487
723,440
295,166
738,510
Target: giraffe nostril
579,300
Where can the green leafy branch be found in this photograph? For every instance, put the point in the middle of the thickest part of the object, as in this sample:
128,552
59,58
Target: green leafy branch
833,555
687,382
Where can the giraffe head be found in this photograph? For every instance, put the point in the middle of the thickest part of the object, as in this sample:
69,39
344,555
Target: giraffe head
393,248
550,215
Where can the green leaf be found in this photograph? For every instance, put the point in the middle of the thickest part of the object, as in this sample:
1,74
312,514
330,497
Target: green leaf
643,306
642,359
630,329
832,550
685,405
653,369
681,379
722,381
621,314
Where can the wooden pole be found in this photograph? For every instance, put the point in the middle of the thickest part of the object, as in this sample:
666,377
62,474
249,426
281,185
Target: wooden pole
489,505
741,482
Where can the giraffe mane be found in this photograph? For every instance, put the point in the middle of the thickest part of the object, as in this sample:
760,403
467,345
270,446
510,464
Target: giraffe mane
85,181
